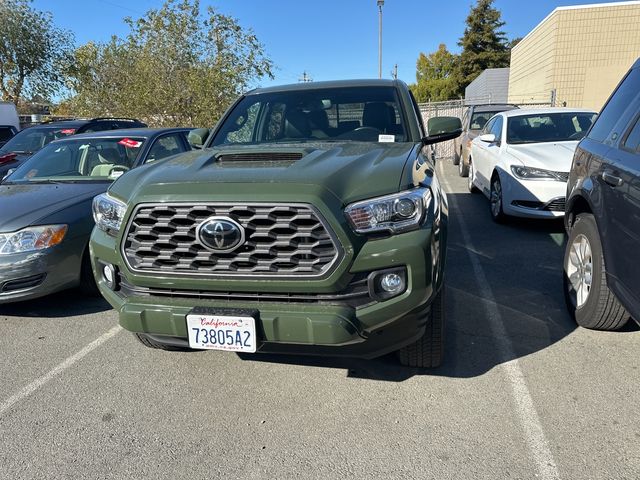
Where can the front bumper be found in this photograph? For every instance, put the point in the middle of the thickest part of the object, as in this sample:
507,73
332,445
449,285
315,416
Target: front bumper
321,327
24,276
532,198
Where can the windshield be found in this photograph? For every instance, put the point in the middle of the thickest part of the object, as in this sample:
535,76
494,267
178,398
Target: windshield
80,160
479,119
367,114
33,139
548,127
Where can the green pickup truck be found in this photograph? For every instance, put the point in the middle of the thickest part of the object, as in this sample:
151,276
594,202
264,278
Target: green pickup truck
312,221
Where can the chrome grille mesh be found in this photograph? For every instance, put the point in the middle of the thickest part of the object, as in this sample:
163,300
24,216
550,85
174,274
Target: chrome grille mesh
280,240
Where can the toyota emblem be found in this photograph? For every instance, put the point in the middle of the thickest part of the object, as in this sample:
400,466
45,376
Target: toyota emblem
220,234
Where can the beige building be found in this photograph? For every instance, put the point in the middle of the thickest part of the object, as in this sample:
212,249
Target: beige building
577,55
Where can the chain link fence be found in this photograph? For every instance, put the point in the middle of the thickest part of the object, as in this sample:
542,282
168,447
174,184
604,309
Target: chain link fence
456,108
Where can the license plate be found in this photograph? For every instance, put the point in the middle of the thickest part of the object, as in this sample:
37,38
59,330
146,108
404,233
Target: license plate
233,333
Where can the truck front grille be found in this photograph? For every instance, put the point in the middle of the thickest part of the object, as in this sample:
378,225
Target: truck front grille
280,240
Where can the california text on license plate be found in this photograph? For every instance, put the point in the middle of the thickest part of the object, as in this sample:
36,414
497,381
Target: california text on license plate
222,332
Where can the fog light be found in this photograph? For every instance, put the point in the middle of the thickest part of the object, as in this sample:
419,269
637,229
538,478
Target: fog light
109,276
386,284
392,283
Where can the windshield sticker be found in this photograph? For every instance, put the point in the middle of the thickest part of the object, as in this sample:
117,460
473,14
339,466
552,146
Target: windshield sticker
68,131
386,138
127,142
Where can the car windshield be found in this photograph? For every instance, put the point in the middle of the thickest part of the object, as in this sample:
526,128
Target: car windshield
6,133
548,127
33,139
80,159
480,118
367,114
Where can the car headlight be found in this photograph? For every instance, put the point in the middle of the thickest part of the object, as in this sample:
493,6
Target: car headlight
108,213
530,173
31,239
395,213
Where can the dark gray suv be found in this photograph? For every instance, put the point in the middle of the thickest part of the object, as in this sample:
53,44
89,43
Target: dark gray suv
602,258
473,121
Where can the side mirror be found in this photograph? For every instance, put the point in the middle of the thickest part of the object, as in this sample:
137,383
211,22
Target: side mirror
197,137
442,129
488,138
9,172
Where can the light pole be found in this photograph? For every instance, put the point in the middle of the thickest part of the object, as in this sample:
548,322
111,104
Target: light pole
380,4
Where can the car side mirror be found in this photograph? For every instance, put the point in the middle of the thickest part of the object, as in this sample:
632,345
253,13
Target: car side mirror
442,129
488,138
198,137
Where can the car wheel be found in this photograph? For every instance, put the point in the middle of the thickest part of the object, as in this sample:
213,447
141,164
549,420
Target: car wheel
463,168
149,342
88,286
472,188
457,156
428,350
586,292
495,200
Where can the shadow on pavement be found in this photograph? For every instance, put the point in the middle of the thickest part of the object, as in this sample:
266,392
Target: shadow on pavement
63,304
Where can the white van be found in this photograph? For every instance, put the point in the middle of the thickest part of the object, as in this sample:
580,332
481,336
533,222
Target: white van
9,122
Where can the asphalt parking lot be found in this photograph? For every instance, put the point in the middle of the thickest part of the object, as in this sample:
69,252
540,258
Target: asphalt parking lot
522,392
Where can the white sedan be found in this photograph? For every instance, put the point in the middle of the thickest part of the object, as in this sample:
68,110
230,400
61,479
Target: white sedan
521,160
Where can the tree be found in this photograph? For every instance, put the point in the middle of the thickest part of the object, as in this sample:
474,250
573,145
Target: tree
435,79
177,66
483,44
32,52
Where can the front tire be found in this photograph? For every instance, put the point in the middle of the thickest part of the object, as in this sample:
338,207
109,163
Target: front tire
586,292
495,200
463,168
428,350
150,343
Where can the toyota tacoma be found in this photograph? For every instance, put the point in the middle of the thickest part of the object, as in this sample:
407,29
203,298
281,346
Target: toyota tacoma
311,221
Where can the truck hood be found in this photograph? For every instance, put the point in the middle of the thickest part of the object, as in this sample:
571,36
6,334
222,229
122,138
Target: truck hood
350,171
24,205
550,156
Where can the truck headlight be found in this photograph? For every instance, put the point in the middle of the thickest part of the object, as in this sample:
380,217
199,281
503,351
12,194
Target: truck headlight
395,213
31,239
530,173
108,213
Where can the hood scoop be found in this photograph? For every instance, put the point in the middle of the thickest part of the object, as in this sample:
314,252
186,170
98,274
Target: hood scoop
286,157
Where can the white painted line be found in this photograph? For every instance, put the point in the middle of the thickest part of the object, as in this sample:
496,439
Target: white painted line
527,413
40,382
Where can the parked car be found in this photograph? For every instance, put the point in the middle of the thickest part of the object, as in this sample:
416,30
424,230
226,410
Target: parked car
601,275
46,206
473,121
32,139
521,160
312,223
9,122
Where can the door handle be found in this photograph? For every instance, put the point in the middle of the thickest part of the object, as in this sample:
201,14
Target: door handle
611,179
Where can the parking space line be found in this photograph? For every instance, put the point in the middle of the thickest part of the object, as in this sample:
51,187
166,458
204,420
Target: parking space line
527,413
40,382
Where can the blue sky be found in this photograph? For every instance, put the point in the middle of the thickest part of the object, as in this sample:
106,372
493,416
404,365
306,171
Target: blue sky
329,39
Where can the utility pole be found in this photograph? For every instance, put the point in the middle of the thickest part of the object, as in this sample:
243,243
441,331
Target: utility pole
305,78
394,73
380,4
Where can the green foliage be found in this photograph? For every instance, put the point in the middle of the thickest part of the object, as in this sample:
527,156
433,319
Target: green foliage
177,66
32,52
435,76
483,44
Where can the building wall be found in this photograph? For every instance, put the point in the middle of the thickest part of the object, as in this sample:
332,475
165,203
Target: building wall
491,86
581,52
